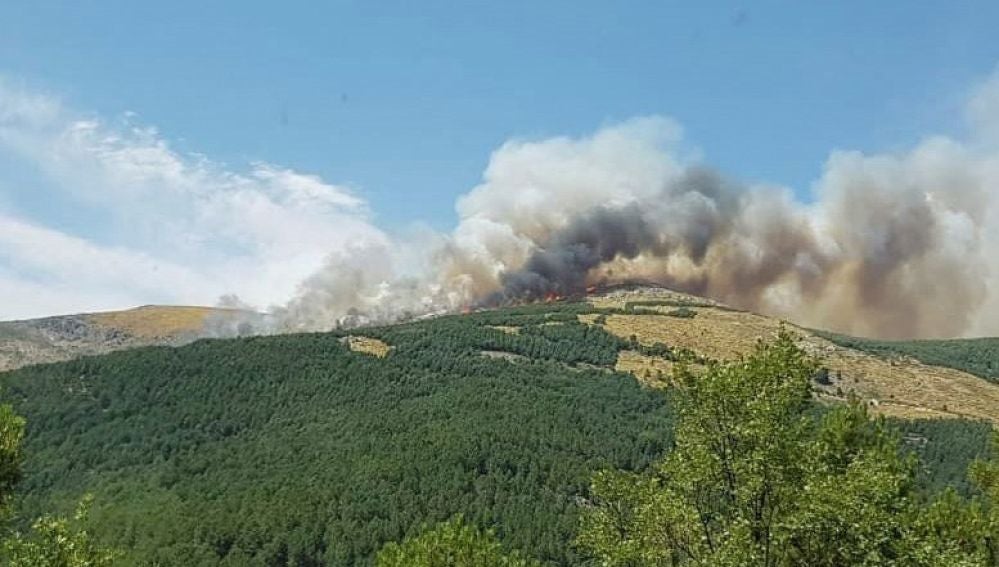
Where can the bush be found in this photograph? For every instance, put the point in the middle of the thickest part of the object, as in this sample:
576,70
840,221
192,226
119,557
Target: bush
822,377
754,479
682,313
451,544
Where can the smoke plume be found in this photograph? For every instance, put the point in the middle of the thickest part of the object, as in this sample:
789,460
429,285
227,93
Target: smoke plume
893,245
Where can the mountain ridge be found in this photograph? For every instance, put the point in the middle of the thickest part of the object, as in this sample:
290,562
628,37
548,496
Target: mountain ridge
64,337
893,382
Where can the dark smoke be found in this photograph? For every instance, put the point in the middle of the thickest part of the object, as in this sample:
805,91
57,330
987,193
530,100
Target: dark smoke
563,266
890,245
590,240
883,270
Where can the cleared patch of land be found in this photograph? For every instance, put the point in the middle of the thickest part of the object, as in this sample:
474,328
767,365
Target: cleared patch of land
650,370
508,329
505,355
907,387
714,333
367,345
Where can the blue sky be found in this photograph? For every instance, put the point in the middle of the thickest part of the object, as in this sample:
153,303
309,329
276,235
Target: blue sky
399,105
405,100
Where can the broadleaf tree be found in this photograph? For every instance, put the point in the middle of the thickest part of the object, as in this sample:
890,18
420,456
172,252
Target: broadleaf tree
454,543
759,477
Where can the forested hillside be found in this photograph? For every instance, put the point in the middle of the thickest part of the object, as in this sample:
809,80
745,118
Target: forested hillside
266,450
297,450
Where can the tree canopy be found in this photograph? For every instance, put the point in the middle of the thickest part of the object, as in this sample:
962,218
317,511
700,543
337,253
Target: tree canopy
295,450
755,479
451,544
51,541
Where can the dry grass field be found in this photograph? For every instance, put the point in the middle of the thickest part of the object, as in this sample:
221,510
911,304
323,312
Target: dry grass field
65,337
367,345
156,321
714,333
650,370
900,387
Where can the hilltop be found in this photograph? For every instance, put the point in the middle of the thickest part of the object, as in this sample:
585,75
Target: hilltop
58,338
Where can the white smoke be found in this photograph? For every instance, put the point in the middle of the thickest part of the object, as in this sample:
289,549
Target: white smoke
900,244
896,244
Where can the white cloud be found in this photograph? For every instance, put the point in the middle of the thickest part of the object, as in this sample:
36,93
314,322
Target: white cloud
921,225
186,228
52,254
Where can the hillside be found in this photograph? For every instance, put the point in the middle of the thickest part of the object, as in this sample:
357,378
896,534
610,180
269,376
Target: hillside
902,386
974,356
899,378
53,339
316,449
297,446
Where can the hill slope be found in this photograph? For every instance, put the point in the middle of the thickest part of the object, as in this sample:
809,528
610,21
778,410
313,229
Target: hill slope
316,449
296,449
53,339
901,386
974,356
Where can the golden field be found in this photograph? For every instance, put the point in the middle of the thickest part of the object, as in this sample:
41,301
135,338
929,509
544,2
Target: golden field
158,321
367,345
901,387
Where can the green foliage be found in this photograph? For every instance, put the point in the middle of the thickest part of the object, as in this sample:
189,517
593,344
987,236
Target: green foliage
543,339
961,531
682,313
533,314
945,449
57,542
52,542
292,450
11,435
974,356
451,544
821,377
755,479
666,352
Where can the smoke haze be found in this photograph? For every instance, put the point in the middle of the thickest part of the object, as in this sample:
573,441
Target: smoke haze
895,245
